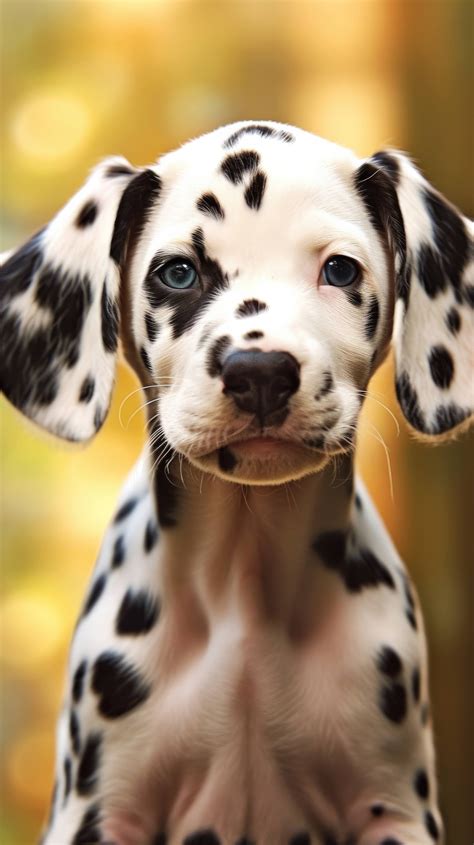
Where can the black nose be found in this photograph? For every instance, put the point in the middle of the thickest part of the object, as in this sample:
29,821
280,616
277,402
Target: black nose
260,382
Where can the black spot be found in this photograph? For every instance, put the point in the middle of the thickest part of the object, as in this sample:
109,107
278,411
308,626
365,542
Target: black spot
249,307
89,830
388,163
372,318
87,214
421,784
109,321
388,662
393,702
146,360
415,684
88,770
118,553
430,271
358,502
300,839
468,295
216,354
18,271
67,776
209,204
255,190
408,398
119,170
159,839
431,825
139,197
358,569
329,839
152,327
244,841
74,732
326,387
166,492
255,335
453,320
315,442
99,417
441,366
126,509
78,681
151,535
377,191
227,459
202,837
87,390
259,129
450,236
353,295
391,841
448,416
95,593
235,166
410,603
137,614
377,810
118,684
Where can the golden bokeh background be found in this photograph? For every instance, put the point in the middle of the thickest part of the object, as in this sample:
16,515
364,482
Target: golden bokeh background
82,80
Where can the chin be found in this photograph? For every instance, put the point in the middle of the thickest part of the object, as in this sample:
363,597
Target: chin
261,461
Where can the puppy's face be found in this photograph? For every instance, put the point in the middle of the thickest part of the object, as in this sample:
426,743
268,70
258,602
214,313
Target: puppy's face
260,295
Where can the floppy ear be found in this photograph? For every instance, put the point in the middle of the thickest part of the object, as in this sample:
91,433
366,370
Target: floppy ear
59,306
433,337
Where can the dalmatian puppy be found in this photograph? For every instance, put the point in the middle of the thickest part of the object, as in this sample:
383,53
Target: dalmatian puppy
249,665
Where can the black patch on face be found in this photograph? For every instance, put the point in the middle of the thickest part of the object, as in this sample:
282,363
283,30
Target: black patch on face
75,732
453,321
210,205
326,387
89,830
249,307
159,839
255,190
152,327
109,320
388,163
139,197
448,416
146,360
78,681
359,569
87,214
137,614
216,354
67,776
32,360
353,295
87,390
358,502
118,685
372,318
255,335
450,236
235,166
259,129
389,662
96,591
126,509
226,459
118,553
202,837
441,366
119,170
431,826
300,839
88,770
421,784
408,398
151,536
393,702
415,684
430,271
166,493
377,810
410,603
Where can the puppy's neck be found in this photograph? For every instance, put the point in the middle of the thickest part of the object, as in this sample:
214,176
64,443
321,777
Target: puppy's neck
228,547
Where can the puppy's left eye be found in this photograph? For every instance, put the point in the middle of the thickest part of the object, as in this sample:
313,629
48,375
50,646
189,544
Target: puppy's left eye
340,271
178,274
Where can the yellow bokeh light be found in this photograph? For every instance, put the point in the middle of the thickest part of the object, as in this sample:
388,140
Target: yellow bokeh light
50,127
28,760
32,628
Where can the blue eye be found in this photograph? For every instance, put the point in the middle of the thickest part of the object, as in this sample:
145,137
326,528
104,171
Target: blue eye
179,274
340,271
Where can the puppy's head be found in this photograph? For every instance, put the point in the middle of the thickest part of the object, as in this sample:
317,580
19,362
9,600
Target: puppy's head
257,276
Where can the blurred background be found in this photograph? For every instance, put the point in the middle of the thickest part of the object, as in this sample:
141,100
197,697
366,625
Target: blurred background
85,79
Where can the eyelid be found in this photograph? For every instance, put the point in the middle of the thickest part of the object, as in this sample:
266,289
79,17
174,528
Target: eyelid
161,259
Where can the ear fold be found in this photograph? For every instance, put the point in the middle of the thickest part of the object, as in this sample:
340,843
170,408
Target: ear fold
59,308
433,335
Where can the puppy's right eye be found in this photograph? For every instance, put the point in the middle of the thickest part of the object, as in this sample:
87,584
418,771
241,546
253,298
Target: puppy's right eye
179,273
340,271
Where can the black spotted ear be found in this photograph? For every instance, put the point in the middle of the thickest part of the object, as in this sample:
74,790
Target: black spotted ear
433,335
59,306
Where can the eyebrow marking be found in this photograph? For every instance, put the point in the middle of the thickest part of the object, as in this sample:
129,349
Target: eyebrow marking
210,205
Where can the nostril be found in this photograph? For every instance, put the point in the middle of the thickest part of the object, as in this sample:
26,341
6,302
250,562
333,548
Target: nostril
236,385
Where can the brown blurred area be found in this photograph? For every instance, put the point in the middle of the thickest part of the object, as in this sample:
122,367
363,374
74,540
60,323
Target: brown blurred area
82,80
